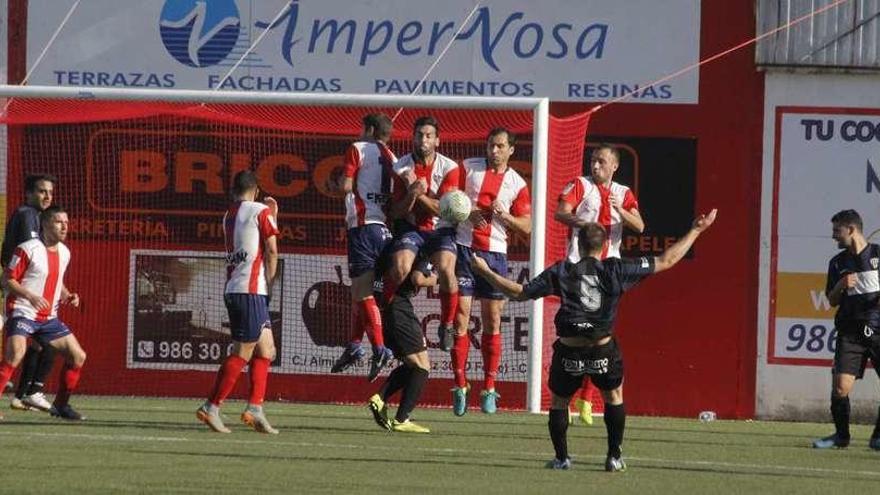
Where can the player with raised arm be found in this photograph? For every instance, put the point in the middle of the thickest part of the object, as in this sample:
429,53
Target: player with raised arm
421,229
501,203
250,233
34,279
853,287
590,291
367,185
597,198
403,333
23,226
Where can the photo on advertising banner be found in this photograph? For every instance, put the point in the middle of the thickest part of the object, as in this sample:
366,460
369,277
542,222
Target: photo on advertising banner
661,172
177,318
319,298
826,160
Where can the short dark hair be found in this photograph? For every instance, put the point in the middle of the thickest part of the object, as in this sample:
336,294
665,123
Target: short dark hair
380,124
30,182
611,149
848,217
47,214
591,237
426,120
511,137
244,181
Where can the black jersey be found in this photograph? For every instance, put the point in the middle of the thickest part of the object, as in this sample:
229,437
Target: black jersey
23,226
590,291
858,306
407,289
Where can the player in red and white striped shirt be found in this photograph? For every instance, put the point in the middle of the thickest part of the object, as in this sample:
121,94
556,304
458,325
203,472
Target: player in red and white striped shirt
35,279
251,234
501,202
425,175
598,199
368,179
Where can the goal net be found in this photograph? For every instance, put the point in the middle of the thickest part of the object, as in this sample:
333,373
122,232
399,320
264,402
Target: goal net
144,176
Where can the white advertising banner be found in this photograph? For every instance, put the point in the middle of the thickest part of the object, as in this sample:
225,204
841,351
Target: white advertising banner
568,50
177,318
827,160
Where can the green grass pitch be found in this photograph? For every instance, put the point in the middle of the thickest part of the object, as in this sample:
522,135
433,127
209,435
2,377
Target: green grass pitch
136,445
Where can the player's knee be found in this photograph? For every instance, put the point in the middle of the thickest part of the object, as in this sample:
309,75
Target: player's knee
78,358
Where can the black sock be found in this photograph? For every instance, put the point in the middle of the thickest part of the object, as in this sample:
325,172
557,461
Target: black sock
28,371
876,433
840,414
46,360
615,422
396,380
558,425
411,393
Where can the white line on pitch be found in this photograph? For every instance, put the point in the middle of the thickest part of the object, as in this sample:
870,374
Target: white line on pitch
435,450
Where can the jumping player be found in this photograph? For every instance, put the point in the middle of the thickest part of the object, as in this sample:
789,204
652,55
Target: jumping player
250,231
367,184
422,230
501,201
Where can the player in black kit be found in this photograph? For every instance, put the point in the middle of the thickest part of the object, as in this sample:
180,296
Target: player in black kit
590,291
404,336
853,286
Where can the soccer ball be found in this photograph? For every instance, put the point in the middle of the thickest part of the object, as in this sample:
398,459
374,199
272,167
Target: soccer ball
455,206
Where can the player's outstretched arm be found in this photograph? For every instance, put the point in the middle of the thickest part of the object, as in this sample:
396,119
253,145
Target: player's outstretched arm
510,288
270,248
677,251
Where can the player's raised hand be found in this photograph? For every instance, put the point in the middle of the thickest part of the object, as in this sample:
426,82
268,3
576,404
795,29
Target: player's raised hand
272,204
703,221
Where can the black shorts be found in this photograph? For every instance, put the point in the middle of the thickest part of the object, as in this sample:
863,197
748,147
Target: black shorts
854,348
603,364
402,328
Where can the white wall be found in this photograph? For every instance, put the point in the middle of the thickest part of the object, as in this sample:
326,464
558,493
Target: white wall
817,178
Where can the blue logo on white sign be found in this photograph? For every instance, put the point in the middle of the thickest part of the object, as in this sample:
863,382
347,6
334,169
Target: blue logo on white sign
199,33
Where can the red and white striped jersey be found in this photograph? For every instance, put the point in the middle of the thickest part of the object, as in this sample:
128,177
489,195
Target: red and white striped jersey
246,226
370,166
40,271
592,202
483,186
441,177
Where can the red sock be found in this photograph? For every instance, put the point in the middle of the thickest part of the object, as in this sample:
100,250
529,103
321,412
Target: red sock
372,322
259,375
69,381
491,347
448,307
227,375
357,328
6,371
459,359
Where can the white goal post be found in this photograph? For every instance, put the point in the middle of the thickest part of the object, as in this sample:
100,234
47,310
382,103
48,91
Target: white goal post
540,108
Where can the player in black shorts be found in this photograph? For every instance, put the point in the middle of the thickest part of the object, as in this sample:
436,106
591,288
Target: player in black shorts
853,287
590,291
404,336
